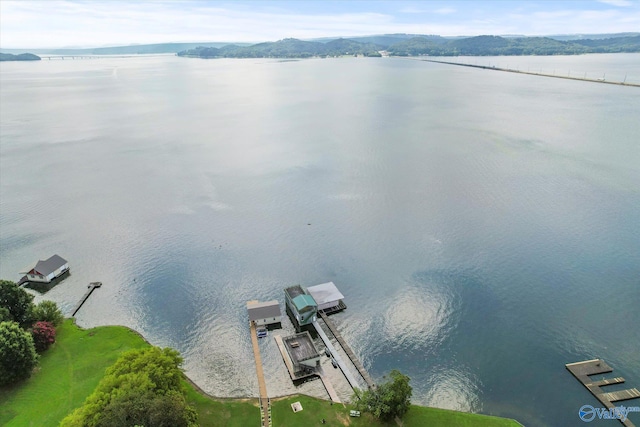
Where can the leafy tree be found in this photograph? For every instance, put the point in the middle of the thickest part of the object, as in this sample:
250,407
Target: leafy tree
389,400
17,353
44,334
17,301
142,387
5,316
47,311
149,410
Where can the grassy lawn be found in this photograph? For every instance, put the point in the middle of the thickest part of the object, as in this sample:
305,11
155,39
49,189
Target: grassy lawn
71,369
224,412
314,410
421,416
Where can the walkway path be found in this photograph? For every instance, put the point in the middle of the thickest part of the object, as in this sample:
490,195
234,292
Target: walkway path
265,404
348,350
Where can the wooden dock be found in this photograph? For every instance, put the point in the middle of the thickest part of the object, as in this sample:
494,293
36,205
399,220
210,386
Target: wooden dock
328,386
92,286
363,372
265,403
583,370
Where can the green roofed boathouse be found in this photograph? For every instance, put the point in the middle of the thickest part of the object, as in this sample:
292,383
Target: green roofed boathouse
302,305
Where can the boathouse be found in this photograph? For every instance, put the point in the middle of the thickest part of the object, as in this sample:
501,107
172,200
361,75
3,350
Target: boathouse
302,306
47,270
327,296
303,354
264,313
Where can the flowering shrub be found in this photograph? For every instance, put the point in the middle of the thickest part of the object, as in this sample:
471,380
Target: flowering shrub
44,334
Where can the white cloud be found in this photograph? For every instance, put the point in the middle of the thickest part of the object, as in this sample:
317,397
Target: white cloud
619,3
26,24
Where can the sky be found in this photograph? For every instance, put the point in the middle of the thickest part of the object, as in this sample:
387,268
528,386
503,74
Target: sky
97,23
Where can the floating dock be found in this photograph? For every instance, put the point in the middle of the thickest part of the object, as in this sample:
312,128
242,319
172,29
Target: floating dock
265,403
92,286
363,372
583,370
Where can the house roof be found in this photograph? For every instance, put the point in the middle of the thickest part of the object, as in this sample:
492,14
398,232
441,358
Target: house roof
48,266
300,347
263,310
302,301
325,292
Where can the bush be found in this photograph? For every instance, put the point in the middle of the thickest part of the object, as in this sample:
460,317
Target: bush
44,334
17,353
47,311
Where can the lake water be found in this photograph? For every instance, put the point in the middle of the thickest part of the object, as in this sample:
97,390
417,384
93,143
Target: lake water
484,226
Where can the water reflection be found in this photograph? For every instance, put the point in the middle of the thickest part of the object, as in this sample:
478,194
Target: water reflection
419,317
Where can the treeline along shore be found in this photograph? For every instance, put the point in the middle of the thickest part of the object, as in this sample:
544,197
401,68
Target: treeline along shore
419,46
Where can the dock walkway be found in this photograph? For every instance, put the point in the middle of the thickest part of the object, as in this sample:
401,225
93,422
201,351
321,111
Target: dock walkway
265,403
343,366
363,372
328,386
582,371
92,286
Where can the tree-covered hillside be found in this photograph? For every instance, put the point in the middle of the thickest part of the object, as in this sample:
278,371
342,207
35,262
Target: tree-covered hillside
287,48
495,46
20,57
422,45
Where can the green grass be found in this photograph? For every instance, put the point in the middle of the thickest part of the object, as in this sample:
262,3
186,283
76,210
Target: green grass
71,369
224,412
421,416
314,410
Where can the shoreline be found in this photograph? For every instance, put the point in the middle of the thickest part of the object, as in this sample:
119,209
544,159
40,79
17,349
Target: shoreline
256,400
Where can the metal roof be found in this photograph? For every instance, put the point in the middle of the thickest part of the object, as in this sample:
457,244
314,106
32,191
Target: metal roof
263,310
325,292
302,301
48,266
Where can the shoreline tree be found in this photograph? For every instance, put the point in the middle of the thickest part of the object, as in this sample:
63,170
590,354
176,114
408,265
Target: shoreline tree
388,400
18,354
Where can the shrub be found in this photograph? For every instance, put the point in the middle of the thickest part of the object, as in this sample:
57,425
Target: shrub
47,311
44,334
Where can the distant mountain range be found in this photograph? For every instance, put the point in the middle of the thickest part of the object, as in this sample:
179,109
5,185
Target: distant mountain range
420,45
394,44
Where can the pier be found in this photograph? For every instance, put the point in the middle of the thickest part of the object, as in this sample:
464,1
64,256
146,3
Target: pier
583,370
363,372
353,382
92,287
509,70
265,403
329,387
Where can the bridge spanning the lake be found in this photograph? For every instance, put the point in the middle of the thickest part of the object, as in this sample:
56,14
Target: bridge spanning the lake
532,73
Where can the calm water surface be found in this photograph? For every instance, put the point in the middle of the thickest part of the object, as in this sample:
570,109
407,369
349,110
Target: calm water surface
483,226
